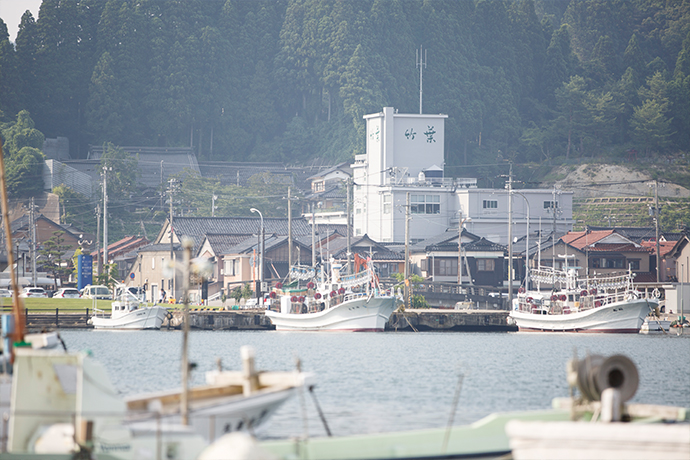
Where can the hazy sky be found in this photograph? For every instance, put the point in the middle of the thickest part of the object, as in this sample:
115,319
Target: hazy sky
11,12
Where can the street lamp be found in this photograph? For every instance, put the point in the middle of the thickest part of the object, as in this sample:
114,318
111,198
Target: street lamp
261,255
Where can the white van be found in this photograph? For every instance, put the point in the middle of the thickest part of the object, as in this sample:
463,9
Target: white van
96,292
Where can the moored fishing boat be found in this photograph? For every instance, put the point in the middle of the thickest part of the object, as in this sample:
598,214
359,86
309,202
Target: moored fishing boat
600,389
608,304
127,314
354,302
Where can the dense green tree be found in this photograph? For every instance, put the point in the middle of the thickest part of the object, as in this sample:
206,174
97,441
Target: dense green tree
573,117
22,144
10,80
651,127
289,80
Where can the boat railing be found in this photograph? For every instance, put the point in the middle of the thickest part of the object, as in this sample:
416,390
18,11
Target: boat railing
560,303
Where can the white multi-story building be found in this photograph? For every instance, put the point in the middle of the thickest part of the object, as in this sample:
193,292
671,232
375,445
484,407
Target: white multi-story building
405,154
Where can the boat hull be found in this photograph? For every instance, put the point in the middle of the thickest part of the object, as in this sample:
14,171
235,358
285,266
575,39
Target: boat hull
356,315
617,317
142,318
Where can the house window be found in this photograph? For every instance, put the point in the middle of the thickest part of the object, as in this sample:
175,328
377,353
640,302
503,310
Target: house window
634,264
608,262
550,205
358,231
446,267
387,200
230,267
490,204
485,265
425,204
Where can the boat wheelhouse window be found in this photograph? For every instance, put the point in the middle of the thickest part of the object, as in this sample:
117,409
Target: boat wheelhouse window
490,204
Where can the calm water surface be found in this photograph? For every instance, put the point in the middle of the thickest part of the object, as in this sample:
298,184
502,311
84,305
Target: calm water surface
374,382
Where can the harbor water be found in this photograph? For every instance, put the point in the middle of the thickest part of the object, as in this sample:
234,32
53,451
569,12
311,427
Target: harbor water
377,382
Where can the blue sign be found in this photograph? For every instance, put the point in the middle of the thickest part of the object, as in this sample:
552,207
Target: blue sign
84,270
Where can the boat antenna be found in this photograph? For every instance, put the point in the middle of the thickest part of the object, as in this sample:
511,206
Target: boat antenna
456,400
17,310
318,409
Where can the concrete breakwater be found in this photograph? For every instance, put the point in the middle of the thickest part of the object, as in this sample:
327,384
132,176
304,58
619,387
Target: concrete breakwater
222,320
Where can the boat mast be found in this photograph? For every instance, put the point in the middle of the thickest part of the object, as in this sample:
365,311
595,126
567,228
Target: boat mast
17,310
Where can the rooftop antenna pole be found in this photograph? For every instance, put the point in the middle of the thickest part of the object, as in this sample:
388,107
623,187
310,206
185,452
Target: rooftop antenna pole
420,61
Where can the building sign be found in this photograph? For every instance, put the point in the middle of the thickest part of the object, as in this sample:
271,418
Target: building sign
84,270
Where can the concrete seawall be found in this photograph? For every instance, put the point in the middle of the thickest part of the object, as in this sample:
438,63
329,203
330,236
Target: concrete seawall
221,320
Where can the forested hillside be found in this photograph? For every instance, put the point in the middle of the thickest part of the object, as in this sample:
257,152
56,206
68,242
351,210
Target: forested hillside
527,81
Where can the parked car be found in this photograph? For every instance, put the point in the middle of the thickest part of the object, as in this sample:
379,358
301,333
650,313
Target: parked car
5,293
33,291
67,293
96,292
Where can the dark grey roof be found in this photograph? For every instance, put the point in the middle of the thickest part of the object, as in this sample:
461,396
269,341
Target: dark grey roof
159,247
198,227
221,243
445,239
484,245
345,167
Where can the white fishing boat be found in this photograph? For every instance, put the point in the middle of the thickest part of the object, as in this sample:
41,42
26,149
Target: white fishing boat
339,303
608,304
126,313
230,401
64,403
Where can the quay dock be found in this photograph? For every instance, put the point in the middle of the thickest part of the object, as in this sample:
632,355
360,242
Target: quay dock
431,319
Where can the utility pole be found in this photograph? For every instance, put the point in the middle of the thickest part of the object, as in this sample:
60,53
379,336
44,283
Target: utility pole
105,220
213,205
510,238
98,238
348,192
313,236
171,192
460,248
420,61
32,219
656,229
289,207
407,248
